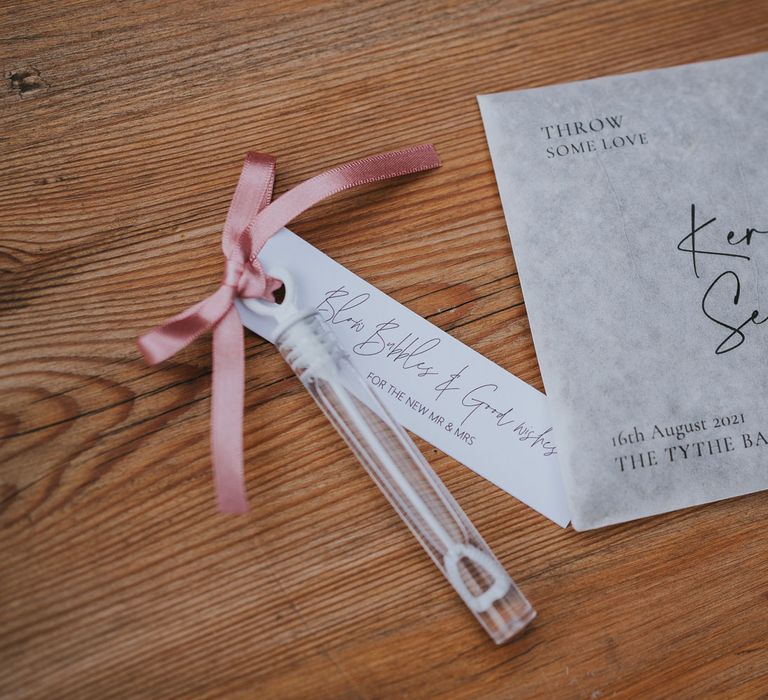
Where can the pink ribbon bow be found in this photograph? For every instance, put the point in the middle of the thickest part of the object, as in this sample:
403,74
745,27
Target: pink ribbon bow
252,220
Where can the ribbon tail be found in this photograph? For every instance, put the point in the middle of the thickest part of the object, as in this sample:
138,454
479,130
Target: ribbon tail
167,339
252,194
383,166
227,413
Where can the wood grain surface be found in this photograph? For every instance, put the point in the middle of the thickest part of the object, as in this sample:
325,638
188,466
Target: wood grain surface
123,129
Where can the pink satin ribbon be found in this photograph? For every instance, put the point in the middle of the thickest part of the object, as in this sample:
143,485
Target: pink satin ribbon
252,220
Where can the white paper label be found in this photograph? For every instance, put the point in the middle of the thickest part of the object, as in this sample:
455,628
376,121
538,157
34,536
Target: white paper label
445,392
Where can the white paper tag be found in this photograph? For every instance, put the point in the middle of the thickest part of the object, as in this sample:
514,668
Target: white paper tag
445,392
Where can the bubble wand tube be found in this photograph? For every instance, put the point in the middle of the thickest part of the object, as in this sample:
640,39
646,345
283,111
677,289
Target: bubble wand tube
392,460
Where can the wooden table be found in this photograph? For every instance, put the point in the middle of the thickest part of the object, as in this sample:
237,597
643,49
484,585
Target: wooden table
123,130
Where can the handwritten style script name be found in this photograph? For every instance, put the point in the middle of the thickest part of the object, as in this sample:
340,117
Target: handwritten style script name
699,244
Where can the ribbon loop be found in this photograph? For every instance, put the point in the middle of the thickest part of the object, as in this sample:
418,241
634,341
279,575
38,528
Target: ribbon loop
251,222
